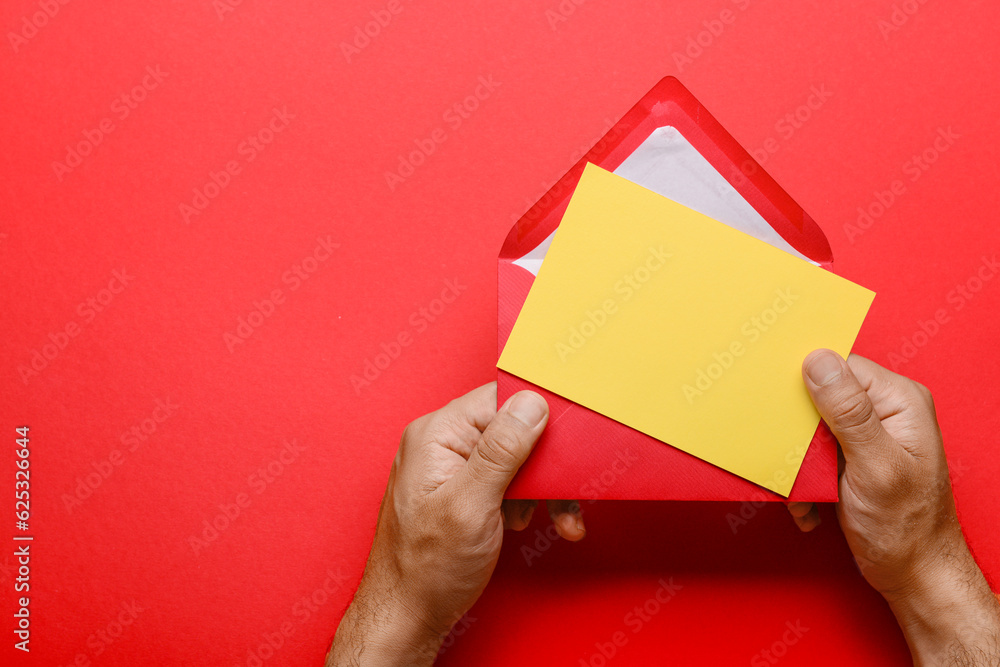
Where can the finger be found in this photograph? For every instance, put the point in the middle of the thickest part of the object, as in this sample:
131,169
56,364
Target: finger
898,400
874,377
459,424
506,443
846,408
478,407
805,515
799,510
808,521
517,513
567,518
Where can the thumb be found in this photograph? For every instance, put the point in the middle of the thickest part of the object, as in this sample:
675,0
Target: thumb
507,441
846,407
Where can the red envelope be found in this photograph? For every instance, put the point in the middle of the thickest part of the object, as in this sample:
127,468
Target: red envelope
669,143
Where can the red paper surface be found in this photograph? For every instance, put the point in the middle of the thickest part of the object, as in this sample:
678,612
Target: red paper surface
554,87
586,455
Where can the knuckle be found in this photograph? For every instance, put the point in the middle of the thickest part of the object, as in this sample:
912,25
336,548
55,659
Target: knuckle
439,431
498,450
439,426
925,394
449,518
903,481
853,412
448,427
453,407
413,431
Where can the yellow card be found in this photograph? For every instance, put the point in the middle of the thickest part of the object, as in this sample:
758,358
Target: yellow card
683,328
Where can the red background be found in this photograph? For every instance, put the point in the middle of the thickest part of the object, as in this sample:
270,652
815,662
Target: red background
560,83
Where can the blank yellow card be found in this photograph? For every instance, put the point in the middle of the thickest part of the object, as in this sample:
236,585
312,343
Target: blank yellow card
683,328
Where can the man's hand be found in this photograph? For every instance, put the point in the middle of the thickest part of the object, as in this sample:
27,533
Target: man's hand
440,527
897,510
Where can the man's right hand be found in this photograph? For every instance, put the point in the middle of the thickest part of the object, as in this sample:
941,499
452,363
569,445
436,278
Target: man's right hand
897,510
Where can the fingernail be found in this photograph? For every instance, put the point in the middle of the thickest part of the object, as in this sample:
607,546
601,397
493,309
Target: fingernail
824,368
528,407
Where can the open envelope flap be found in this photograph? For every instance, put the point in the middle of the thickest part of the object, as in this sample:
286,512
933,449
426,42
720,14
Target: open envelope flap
667,123
670,104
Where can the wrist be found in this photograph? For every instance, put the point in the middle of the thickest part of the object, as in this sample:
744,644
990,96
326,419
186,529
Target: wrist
947,611
383,626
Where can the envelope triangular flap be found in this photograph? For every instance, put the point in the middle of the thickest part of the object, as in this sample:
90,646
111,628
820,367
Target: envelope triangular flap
670,105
